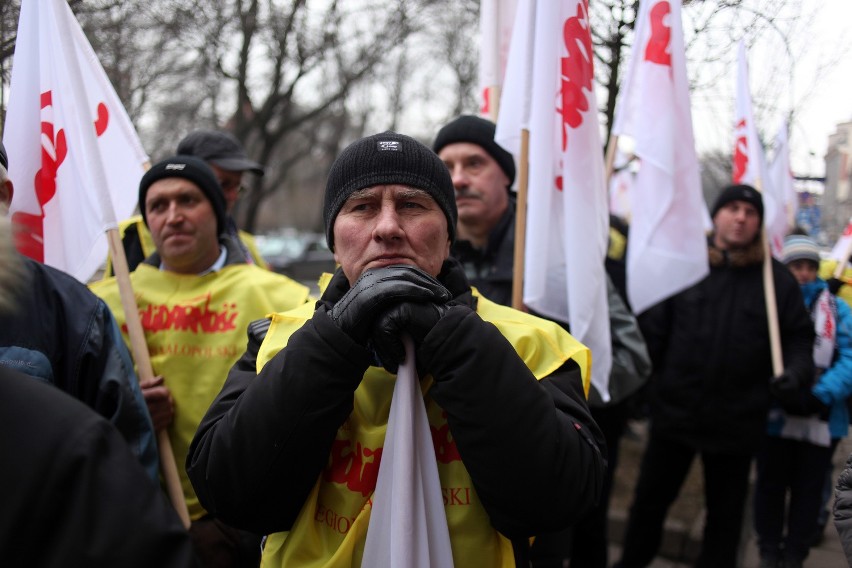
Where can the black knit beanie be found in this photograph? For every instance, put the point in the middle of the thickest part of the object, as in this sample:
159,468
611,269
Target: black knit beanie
739,193
194,170
382,159
479,131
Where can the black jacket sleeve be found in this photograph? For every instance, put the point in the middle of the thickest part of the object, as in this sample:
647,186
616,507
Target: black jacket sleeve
531,447
267,437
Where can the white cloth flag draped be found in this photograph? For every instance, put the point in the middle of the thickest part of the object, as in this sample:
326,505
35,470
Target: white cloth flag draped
74,156
840,252
408,525
781,177
549,90
667,250
750,160
495,27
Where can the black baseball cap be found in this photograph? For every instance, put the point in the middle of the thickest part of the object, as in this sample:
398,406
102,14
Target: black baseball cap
219,148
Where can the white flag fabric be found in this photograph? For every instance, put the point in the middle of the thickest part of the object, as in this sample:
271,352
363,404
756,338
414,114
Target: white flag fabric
621,187
551,73
74,156
781,176
667,248
408,525
750,160
841,249
495,27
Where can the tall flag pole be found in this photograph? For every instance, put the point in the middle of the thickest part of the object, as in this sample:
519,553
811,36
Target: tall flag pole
496,18
76,161
551,73
668,249
750,168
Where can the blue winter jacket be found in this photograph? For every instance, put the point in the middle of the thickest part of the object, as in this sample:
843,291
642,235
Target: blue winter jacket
835,384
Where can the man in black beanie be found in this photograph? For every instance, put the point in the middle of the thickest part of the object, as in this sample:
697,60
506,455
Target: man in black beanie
196,296
292,445
482,173
713,381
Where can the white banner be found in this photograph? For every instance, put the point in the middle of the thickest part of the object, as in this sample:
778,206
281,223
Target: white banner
667,248
74,156
551,73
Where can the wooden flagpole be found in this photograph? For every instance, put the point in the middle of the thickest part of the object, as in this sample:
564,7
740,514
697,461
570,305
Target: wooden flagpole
609,164
168,466
521,222
769,297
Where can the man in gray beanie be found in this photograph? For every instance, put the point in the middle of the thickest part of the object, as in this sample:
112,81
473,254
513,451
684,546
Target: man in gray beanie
482,173
291,446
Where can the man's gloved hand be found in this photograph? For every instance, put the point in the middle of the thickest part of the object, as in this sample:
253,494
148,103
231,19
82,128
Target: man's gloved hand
785,387
376,290
834,285
414,318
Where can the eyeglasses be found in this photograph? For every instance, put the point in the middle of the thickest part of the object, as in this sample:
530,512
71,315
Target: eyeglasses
231,185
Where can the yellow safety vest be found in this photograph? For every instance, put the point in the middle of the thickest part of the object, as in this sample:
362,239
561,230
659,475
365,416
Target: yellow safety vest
331,528
826,271
195,329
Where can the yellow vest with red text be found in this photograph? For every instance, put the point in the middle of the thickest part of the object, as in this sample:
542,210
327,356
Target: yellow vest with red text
331,528
195,329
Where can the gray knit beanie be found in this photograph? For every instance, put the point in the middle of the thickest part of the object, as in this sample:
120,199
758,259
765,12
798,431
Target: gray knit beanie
382,159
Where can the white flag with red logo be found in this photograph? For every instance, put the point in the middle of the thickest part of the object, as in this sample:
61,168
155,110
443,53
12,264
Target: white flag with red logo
781,177
840,252
496,18
74,156
551,67
667,249
750,160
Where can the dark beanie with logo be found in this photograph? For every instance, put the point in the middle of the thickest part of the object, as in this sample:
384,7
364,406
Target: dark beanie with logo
479,131
384,159
191,169
739,193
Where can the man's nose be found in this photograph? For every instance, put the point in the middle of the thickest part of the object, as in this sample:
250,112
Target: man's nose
387,223
459,177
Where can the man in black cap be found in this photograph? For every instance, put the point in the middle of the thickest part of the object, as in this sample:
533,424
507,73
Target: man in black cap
224,154
713,380
228,159
292,445
196,297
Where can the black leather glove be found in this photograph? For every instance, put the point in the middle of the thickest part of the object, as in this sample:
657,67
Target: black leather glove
415,319
834,285
376,290
785,387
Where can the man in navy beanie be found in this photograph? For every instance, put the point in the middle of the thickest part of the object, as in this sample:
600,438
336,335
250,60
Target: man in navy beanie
482,173
713,382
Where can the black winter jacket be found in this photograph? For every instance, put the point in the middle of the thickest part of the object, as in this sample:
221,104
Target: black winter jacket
531,447
711,353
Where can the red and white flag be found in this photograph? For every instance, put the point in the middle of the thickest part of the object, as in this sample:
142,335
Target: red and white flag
750,161
667,250
74,156
781,177
550,72
496,18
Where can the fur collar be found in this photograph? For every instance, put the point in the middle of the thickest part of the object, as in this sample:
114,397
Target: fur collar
736,258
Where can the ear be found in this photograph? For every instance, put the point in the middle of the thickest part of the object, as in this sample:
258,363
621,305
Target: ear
7,191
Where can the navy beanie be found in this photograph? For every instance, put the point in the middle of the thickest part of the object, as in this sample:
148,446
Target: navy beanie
382,159
479,131
739,193
194,170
